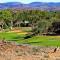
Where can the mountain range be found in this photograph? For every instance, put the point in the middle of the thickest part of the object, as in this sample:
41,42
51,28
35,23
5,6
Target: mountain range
34,5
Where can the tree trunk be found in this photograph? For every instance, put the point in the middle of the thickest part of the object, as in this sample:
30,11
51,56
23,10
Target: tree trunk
11,24
2,26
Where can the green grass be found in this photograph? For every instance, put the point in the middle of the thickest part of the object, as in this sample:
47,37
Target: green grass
37,40
42,41
10,36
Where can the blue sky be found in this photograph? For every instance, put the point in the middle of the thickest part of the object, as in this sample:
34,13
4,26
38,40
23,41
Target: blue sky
28,1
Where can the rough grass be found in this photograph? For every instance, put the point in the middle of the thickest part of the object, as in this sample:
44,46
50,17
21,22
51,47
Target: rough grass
36,40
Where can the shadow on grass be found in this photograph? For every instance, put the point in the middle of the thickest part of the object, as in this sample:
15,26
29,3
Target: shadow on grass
33,42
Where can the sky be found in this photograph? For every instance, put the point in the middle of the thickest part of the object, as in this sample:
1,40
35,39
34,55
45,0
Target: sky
28,1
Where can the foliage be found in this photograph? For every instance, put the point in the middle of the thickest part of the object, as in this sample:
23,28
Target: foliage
40,21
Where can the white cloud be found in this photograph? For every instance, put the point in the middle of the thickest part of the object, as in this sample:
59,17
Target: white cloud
1,1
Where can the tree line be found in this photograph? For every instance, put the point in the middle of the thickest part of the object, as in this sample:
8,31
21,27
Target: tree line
40,21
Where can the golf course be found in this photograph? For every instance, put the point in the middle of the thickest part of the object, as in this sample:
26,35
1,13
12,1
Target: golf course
18,37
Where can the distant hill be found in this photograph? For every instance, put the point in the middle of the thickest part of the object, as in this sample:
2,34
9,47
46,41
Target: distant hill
33,5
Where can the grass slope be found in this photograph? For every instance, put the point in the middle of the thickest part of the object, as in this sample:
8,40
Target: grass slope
37,40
